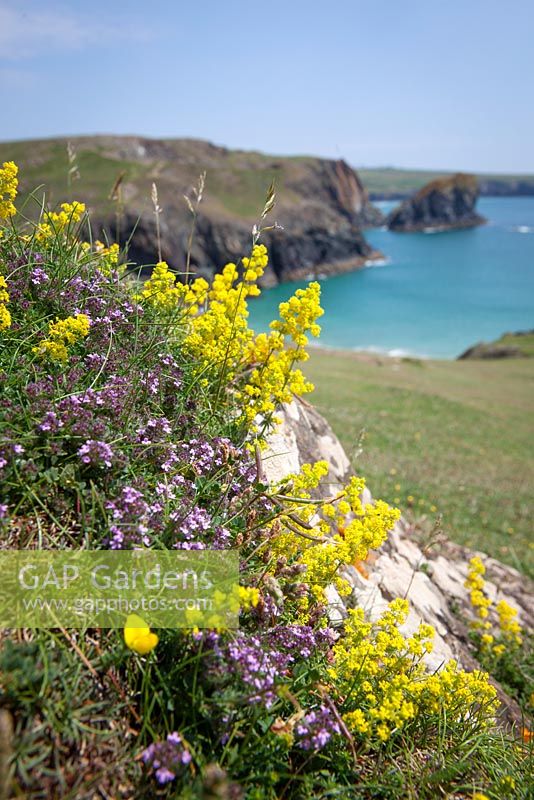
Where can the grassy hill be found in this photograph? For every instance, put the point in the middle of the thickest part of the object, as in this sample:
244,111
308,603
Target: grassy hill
237,180
441,437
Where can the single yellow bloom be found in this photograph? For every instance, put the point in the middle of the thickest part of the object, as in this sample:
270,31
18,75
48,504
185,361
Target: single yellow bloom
138,635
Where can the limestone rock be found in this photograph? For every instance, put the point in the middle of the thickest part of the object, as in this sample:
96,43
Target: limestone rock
432,580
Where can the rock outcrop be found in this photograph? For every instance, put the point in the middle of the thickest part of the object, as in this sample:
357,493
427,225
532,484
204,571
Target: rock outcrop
510,345
312,242
442,205
321,204
432,579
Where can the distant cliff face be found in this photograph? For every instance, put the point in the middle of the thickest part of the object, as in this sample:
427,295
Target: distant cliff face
321,204
444,204
320,211
302,249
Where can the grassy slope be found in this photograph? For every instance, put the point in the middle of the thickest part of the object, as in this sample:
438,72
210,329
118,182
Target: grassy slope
455,435
237,181
45,163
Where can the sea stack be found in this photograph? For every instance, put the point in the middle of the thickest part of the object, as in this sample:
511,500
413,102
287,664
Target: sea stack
442,205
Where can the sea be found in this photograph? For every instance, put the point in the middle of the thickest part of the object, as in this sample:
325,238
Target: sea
434,294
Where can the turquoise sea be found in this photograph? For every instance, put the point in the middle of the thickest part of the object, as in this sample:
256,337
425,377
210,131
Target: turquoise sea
436,294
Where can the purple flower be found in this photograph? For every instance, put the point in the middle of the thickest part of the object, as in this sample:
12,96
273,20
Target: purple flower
38,276
196,522
50,423
3,510
261,661
154,431
316,728
167,758
96,453
132,519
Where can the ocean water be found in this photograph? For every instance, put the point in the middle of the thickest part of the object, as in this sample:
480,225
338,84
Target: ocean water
436,294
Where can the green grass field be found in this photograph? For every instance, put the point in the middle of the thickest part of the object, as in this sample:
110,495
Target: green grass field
450,438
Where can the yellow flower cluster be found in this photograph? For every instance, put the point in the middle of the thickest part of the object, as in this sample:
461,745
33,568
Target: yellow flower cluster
299,315
8,189
510,627
254,268
258,370
239,598
510,630
475,583
56,223
323,536
352,543
61,334
220,336
380,674
109,257
274,379
5,316
247,597
162,292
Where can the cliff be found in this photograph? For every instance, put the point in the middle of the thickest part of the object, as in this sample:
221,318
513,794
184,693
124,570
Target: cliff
321,203
443,204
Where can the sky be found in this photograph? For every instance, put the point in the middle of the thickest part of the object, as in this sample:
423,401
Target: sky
409,83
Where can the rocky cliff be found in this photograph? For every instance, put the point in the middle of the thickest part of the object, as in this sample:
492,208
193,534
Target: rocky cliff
444,204
321,204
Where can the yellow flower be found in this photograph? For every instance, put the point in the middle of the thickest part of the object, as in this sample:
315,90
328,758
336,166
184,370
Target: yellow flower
109,257
509,626
61,333
138,635
55,223
5,316
8,189
248,596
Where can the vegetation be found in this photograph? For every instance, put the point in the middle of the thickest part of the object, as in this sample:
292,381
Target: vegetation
441,438
134,417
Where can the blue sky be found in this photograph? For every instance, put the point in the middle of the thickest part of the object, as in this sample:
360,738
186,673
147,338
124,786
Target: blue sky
377,82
